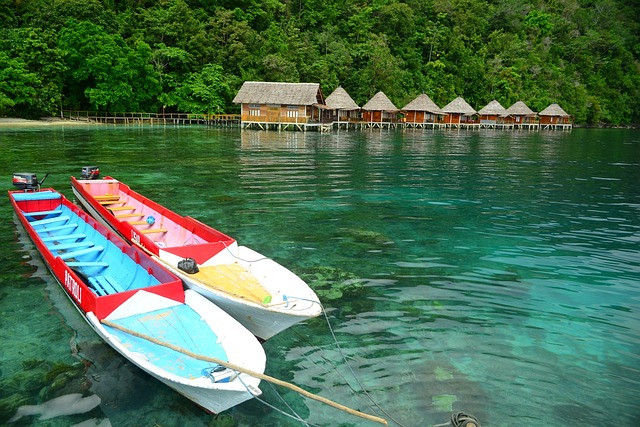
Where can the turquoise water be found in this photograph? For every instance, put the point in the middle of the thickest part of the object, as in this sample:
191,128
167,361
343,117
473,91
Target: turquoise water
490,272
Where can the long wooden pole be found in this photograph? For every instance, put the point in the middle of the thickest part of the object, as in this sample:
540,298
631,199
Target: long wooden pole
248,372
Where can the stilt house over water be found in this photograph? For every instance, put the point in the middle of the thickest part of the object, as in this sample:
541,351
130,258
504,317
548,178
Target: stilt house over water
521,116
492,115
267,105
343,109
554,117
423,112
380,112
460,113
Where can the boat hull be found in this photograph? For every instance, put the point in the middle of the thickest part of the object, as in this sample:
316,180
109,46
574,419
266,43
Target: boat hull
279,299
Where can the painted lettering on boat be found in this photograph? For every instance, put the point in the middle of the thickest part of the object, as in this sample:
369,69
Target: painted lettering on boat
72,286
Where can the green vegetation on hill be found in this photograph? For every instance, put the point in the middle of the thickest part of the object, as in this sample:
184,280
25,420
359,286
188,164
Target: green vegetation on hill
192,56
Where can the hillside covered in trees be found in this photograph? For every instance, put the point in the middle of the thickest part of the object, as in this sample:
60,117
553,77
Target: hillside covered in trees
193,56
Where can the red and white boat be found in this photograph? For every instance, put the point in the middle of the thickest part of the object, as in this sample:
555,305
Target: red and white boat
137,306
261,294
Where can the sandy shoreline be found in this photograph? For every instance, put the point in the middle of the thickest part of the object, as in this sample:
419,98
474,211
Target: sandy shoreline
45,121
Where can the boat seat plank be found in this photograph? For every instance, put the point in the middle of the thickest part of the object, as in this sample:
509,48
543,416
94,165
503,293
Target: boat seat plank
122,208
87,264
36,195
72,245
52,212
110,201
80,252
49,220
138,223
63,237
129,215
107,197
154,230
57,228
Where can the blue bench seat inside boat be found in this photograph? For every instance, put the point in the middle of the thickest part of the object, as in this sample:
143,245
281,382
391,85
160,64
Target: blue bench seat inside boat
50,220
44,213
72,245
87,264
64,237
80,252
39,195
57,228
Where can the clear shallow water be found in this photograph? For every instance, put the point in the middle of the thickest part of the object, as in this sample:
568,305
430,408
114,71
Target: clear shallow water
495,273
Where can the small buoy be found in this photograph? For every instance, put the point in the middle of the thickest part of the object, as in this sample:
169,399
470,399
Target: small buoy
151,220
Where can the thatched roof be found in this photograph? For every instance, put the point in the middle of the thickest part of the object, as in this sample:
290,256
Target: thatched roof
459,106
423,103
494,108
379,102
279,93
553,110
520,109
340,100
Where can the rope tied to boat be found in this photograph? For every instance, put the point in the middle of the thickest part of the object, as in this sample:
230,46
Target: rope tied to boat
246,371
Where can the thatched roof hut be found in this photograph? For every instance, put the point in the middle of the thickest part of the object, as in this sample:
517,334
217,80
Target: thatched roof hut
279,93
520,109
379,109
553,110
459,106
380,102
554,115
494,108
423,103
340,100
459,111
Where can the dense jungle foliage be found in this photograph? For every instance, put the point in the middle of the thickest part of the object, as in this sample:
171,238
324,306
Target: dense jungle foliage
193,55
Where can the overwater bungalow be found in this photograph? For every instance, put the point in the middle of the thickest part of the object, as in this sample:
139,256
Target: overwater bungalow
343,109
554,117
493,115
521,116
460,114
380,112
422,112
266,105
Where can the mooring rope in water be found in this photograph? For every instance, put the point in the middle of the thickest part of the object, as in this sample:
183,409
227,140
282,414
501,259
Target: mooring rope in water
344,358
249,372
295,415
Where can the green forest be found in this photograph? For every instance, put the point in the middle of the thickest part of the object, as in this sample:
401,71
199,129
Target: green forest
193,56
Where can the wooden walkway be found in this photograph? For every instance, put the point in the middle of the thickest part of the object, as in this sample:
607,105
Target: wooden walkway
224,120
153,118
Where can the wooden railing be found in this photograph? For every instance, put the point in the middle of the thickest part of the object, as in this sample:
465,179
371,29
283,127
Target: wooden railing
275,118
133,117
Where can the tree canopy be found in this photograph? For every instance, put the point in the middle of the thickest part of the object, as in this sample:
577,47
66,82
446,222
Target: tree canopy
193,55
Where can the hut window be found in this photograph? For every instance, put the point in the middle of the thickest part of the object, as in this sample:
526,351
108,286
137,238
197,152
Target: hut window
253,112
254,106
291,113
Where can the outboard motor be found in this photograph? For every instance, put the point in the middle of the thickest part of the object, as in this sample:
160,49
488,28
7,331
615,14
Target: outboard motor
27,181
90,172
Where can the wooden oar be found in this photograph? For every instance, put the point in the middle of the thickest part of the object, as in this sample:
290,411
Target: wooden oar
248,372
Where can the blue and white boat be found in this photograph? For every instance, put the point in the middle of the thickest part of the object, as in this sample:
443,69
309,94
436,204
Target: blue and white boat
139,307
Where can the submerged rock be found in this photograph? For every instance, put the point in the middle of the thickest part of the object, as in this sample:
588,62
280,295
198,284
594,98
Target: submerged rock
331,283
